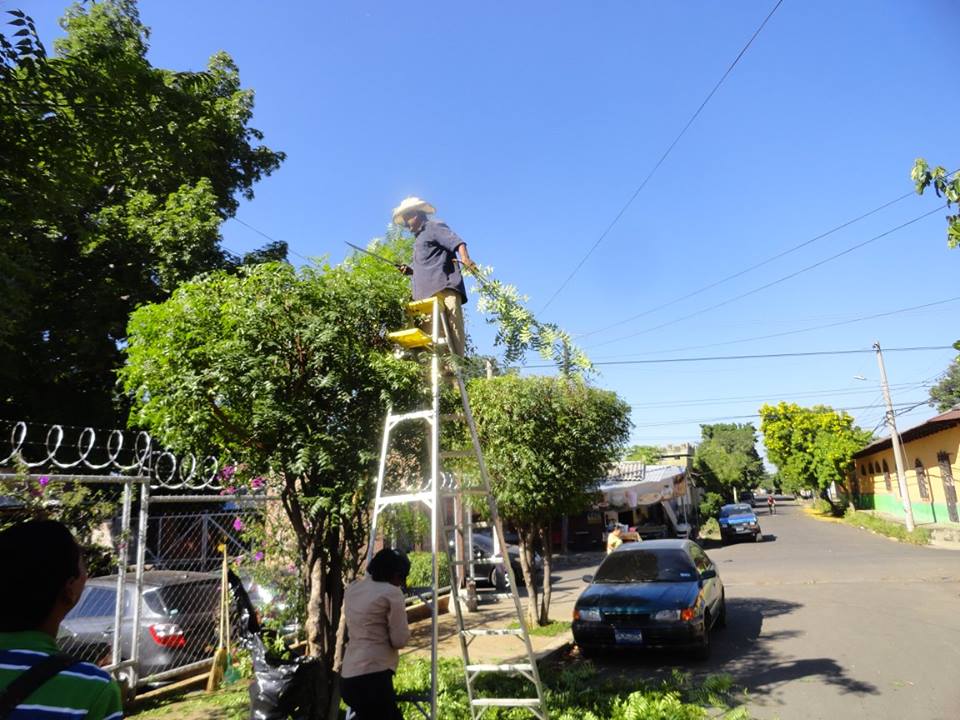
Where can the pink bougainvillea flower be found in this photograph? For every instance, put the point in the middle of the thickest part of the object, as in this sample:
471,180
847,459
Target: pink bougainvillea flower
44,480
228,471
257,483
237,524
258,556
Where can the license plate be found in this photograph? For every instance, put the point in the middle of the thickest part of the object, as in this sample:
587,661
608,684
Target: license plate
628,637
743,529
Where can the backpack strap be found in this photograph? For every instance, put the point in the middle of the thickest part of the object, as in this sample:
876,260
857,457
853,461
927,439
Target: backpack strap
30,680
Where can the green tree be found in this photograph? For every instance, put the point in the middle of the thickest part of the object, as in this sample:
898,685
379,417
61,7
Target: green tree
115,177
546,440
812,447
727,460
946,393
649,454
289,374
945,187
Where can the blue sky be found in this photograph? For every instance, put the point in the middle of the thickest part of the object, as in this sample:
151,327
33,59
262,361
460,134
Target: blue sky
530,125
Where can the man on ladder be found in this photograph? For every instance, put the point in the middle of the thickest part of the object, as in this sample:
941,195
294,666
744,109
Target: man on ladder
438,253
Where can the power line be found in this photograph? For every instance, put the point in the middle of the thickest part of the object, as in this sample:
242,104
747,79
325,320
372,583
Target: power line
664,156
751,268
694,421
813,353
765,396
779,280
800,330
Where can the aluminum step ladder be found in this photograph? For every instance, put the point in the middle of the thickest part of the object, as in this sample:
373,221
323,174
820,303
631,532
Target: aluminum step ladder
435,492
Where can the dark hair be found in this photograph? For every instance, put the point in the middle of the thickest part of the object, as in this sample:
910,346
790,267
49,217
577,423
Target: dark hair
38,558
387,563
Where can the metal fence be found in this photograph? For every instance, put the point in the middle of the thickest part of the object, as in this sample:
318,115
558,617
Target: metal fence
156,530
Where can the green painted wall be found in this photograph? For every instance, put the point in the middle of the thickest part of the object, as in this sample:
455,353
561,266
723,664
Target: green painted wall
923,512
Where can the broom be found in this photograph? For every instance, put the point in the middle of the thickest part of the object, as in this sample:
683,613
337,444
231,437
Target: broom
221,657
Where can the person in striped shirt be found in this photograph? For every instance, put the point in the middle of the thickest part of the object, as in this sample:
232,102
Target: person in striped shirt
44,574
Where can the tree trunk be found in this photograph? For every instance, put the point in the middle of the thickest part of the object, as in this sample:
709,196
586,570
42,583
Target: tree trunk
547,584
527,534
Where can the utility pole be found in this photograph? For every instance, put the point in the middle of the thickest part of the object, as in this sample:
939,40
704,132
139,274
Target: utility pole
566,358
895,442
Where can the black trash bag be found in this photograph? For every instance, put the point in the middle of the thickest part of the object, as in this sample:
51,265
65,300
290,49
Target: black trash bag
280,688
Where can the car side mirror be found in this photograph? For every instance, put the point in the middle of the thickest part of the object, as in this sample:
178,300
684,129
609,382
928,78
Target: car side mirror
588,578
708,573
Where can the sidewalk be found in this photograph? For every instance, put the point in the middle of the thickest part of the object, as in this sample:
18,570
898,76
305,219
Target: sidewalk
484,648
942,535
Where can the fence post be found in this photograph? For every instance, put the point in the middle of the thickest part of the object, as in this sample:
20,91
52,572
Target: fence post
138,604
122,560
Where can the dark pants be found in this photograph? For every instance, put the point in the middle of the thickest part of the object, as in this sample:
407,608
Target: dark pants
371,696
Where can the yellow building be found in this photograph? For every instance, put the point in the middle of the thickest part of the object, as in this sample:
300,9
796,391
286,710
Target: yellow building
931,465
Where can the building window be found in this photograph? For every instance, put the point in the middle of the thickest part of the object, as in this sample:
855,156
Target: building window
863,469
921,480
886,475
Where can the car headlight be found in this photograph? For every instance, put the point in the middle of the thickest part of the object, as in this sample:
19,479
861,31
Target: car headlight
587,614
665,615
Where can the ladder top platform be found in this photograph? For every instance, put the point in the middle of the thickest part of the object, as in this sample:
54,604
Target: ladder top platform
410,338
421,307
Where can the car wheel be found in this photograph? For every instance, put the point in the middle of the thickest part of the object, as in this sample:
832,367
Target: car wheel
587,653
722,613
499,580
702,652
758,537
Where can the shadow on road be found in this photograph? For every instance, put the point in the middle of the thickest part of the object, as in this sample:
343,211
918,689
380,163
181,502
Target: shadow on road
743,650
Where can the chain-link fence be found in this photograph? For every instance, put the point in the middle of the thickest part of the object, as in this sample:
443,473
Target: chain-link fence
150,611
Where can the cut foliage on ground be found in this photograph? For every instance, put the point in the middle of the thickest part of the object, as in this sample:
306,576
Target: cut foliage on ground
574,690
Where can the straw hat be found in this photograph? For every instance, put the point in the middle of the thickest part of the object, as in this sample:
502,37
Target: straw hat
410,204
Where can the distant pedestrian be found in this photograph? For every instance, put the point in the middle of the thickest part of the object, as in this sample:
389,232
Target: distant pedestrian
44,575
613,539
376,618
438,253
772,504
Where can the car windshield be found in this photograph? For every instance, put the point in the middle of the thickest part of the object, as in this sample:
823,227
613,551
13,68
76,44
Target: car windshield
640,566
729,510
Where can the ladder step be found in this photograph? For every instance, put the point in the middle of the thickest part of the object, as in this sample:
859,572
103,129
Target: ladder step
425,496
447,454
507,668
504,631
416,415
505,702
421,307
410,338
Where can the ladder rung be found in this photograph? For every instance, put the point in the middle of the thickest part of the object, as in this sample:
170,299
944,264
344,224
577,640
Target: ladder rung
507,668
421,307
416,415
446,454
426,496
502,631
410,338
505,702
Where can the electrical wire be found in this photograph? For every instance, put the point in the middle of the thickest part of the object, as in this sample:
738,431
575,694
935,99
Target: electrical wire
751,268
663,157
772,283
271,239
794,332
812,353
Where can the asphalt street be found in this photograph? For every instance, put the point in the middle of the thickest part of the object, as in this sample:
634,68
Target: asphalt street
824,621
